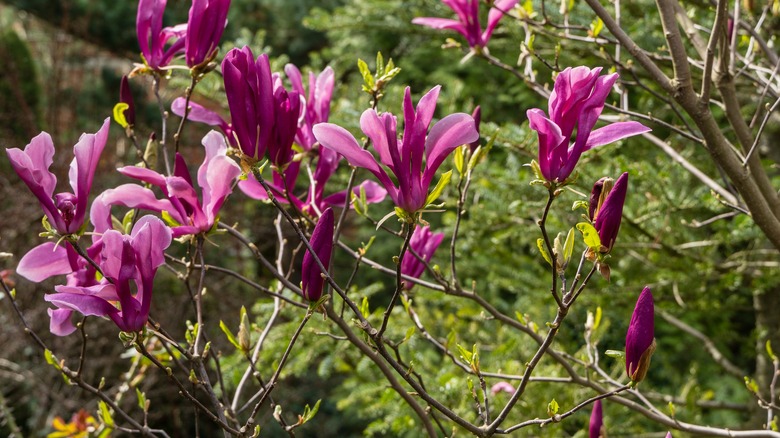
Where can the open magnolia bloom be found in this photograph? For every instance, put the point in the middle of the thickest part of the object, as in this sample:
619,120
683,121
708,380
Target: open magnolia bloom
186,213
124,260
403,157
467,23
575,103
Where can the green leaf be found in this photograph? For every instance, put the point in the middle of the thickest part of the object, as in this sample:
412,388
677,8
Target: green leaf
229,334
769,350
543,249
368,78
568,247
119,114
481,151
309,413
409,333
590,236
169,220
244,337
596,27
141,399
552,408
616,354
672,409
597,319
380,63
464,354
364,310
443,181
580,204
751,385
105,414
459,160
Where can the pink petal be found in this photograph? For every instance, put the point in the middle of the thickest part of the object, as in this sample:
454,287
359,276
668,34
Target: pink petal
447,134
44,261
614,132
60,324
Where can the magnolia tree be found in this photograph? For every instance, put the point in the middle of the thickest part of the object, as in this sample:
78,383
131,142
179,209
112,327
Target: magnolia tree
274,148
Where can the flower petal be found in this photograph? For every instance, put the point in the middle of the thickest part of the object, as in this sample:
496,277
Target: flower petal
614,132
44,261
447,134
60,324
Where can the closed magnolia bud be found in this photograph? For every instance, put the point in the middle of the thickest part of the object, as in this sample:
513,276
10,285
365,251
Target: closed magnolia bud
601,189
125,96
640,338
322,242
610,213
596,427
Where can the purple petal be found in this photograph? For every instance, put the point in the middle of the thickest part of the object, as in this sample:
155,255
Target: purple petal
198,113
441,23
374,193
609,217
338,139
130,196
44,261
446,135
550,143
144,174
216,175
32,166
87,305
641,330
596,421
82,170
499,9
60,324
614,132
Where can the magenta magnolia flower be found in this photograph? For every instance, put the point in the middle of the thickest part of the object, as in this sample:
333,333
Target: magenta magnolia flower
322,243
192,216
640,338
123,259
424,243
405,157
502,387
204,29
317,101
608,217
575,103
596,428
152,37
265,116
467,23
65,211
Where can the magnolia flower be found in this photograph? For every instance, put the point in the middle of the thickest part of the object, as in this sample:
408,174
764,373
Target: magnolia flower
201,114
152,37
265,116
502,387
65,211
477,116
123,259
596,428
405,157
467,23
608,215
640,340
206,23
188,214
318,99
576,102
424,243
322,243
316,110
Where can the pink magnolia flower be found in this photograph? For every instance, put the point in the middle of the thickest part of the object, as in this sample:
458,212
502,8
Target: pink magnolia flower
576,102
65,211
192,216
405,157
322,243
596,427
608,217
467,23
206,23
123,259
502,387
152,37
316,110
640,338
424,243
